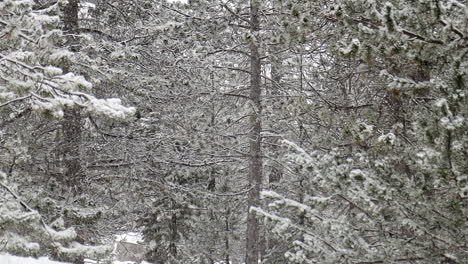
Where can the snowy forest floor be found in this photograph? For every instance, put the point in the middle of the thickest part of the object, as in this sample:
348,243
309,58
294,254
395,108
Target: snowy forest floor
9,259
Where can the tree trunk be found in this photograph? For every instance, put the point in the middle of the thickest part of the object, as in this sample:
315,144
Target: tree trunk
255,155
70,17
71,127
226,237
172,243
71,124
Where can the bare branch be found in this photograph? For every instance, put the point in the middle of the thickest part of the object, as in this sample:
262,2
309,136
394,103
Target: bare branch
395,260
15,100
23,204
235,14
181,13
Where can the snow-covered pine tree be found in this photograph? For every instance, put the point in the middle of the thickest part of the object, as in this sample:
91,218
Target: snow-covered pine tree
25,232
213,29
32,58
35,85
398,192
194,120
167,158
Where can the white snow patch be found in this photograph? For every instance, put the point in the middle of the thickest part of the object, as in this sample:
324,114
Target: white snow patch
178,1
388,139
356,172
129,262
111,107
131,237
85,8
64,235
8,259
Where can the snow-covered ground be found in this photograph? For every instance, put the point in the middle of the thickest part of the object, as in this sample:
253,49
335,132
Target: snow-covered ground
9,259
131,237
127,237
88,261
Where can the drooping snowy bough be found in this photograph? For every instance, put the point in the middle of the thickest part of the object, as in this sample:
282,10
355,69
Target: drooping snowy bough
32,59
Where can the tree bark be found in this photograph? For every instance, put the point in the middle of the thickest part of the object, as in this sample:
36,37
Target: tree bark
255,155
71,128
71,124
172,243
70,16
226,236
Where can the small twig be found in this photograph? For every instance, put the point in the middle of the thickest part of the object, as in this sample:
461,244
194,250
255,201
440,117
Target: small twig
232,68
352,107
197,165
452,28
315,91
95,31
232,50
355,205
235,14
419,37
5,243
180,13
99,130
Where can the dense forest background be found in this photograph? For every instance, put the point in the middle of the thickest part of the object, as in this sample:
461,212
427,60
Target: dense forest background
276,131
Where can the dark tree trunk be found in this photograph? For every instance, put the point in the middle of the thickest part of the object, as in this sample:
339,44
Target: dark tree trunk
71,128
255,155
71,124
172,243
70,16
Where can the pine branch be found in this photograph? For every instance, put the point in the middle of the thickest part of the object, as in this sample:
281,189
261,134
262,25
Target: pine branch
197,165
44,6
355,205
180,12
419,37
395,260
236,15
14,101
352,107
15,117
100,131
23,204
95,31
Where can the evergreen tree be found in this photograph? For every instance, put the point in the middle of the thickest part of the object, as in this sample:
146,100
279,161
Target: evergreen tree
377,202
38,85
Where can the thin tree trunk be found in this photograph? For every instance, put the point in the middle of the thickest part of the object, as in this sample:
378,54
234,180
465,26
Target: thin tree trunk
255,155
226,237
276,172
172,244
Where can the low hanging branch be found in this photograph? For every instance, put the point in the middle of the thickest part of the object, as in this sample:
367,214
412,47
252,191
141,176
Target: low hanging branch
395,260
23,204
29,209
